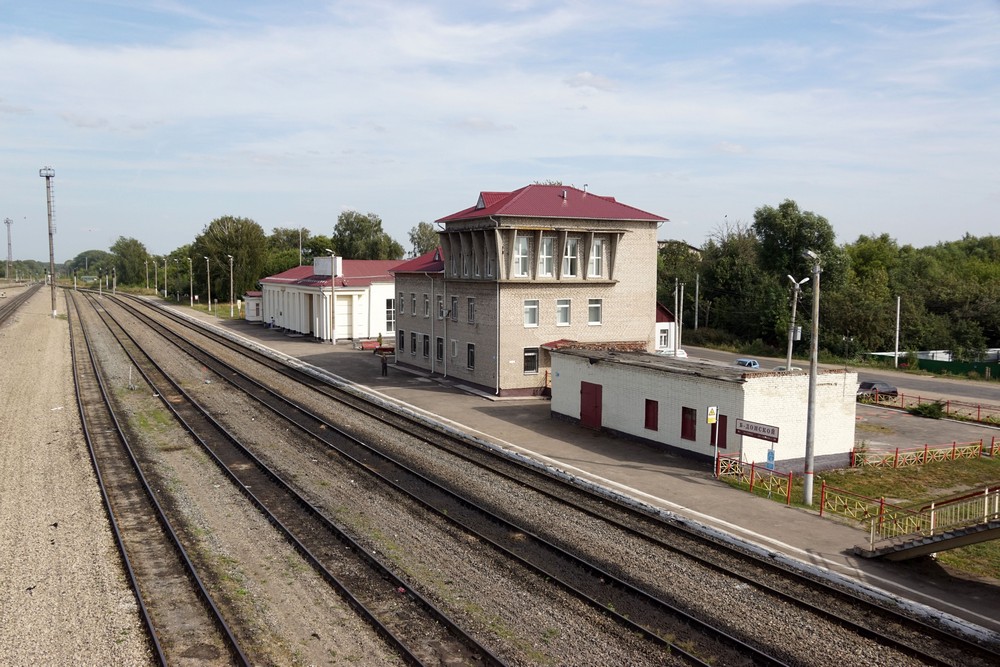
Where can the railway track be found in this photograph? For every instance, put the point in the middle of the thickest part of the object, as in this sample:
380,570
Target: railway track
12,301
177,610
593,576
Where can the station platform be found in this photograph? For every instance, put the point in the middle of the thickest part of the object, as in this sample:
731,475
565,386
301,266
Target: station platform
685,488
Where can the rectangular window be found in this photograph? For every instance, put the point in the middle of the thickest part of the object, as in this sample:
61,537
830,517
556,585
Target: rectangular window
545,256
522,249
531,313
596,259
594,308
652,420
390,314
472,310
454,348
475,264
413,343
689,423
562,313
531,361
440,307
427,306
570,258
470,356
401,341
664,339
427,346
490,268
402,304
439,348
413,303
454,309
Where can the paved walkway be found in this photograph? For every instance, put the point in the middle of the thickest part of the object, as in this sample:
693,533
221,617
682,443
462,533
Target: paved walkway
672,483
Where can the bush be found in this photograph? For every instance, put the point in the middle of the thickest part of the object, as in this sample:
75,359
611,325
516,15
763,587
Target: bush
933,410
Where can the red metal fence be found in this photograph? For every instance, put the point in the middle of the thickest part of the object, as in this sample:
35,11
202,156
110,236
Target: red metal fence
909,456
754,476
976,412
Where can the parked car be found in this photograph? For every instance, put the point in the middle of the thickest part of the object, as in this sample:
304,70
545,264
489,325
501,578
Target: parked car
873,388
787,369
748,363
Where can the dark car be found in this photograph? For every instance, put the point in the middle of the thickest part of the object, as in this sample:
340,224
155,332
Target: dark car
873,388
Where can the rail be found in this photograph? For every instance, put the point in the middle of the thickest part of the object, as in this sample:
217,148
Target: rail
909,456
965,410
755,476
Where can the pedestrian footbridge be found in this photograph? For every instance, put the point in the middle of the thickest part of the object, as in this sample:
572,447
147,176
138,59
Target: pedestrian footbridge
898,533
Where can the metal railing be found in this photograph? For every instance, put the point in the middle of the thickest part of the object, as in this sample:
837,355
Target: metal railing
755,476
976,412
908,456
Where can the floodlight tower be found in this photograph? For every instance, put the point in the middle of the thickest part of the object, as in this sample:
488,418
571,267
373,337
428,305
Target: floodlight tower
10,257
48,173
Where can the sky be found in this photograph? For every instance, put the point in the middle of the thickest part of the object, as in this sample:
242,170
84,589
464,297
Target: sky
161,116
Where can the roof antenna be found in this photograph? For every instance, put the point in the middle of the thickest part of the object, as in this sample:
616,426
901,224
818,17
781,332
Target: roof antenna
584,188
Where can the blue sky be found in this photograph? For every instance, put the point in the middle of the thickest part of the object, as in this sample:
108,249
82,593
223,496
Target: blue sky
160,116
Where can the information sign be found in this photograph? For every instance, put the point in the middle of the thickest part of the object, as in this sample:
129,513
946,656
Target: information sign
755,430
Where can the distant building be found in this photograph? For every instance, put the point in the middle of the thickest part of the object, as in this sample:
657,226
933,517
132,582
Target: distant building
518,270
352,298
254,310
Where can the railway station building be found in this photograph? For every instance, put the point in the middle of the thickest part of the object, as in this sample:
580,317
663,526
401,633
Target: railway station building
667,401
521,269
343,299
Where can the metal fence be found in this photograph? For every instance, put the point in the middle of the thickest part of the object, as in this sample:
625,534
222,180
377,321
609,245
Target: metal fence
965,410
755,477
909,456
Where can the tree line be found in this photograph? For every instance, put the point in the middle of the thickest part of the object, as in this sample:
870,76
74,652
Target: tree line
948,295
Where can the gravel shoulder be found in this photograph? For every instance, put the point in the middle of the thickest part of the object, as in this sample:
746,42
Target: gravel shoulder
64,597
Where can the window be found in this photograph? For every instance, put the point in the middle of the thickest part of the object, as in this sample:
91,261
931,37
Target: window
570,258
390,314
664,339
439,348
401,341
427,306
594,307
562,312
531,361
427,346
470,356
413,343
454,348
475,263
490,265
596,259
472,310
413,303
652,421
522,249
689,423
545,256
531,313
454,309
402,304
440,307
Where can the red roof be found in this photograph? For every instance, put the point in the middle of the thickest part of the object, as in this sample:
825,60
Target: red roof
357,273
429,262
662,314
551,201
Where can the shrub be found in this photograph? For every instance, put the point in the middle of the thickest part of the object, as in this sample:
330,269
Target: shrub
933,410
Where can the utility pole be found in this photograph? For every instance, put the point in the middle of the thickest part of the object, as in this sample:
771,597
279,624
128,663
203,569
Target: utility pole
697,289
230,286
208,281
48,173
10,256
145,263
191,282
807,489
896,355
796,285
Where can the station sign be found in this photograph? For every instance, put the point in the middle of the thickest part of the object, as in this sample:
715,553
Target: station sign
755,430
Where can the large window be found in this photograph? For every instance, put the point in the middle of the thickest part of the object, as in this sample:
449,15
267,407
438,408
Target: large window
427,306
402,304
562,313
596,259
472,309
570,258
664,339
545,267
531,312
413,303
413,343
689,423
530,360
652,420
427,346
390,314
439,348
401,341
470,356
522,250
454,309
594,308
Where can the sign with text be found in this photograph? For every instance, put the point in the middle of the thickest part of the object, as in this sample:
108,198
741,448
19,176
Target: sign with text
713,412
755,430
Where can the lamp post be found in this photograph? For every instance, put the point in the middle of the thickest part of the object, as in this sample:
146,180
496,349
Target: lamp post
191,282
230,286
48,173
796,286
177,294
145,263
156,275
333,298
164,277
208,281
114,280
807,488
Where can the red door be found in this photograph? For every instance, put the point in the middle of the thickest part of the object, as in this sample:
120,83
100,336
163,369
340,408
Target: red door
590,405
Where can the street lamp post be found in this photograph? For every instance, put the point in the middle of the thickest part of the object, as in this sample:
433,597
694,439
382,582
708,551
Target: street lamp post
230,286
807,488
333,298
164,277
208,281
796,286
177,286
191,282
145,263
48,173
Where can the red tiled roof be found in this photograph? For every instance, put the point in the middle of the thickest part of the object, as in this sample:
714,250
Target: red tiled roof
429,262
662,314
357,273
551,201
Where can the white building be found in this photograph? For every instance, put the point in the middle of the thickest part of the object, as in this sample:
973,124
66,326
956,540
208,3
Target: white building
353,298
665,401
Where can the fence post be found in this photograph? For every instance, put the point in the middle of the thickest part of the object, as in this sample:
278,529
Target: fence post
822,495
926,449
881,512
895,459
753,472
788,496
954,448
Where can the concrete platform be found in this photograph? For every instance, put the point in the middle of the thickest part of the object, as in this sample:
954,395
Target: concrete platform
682,487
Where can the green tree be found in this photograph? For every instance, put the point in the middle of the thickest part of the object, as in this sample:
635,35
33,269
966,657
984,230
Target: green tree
242,238
359,236
785,233
423,238
130,261
88,261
